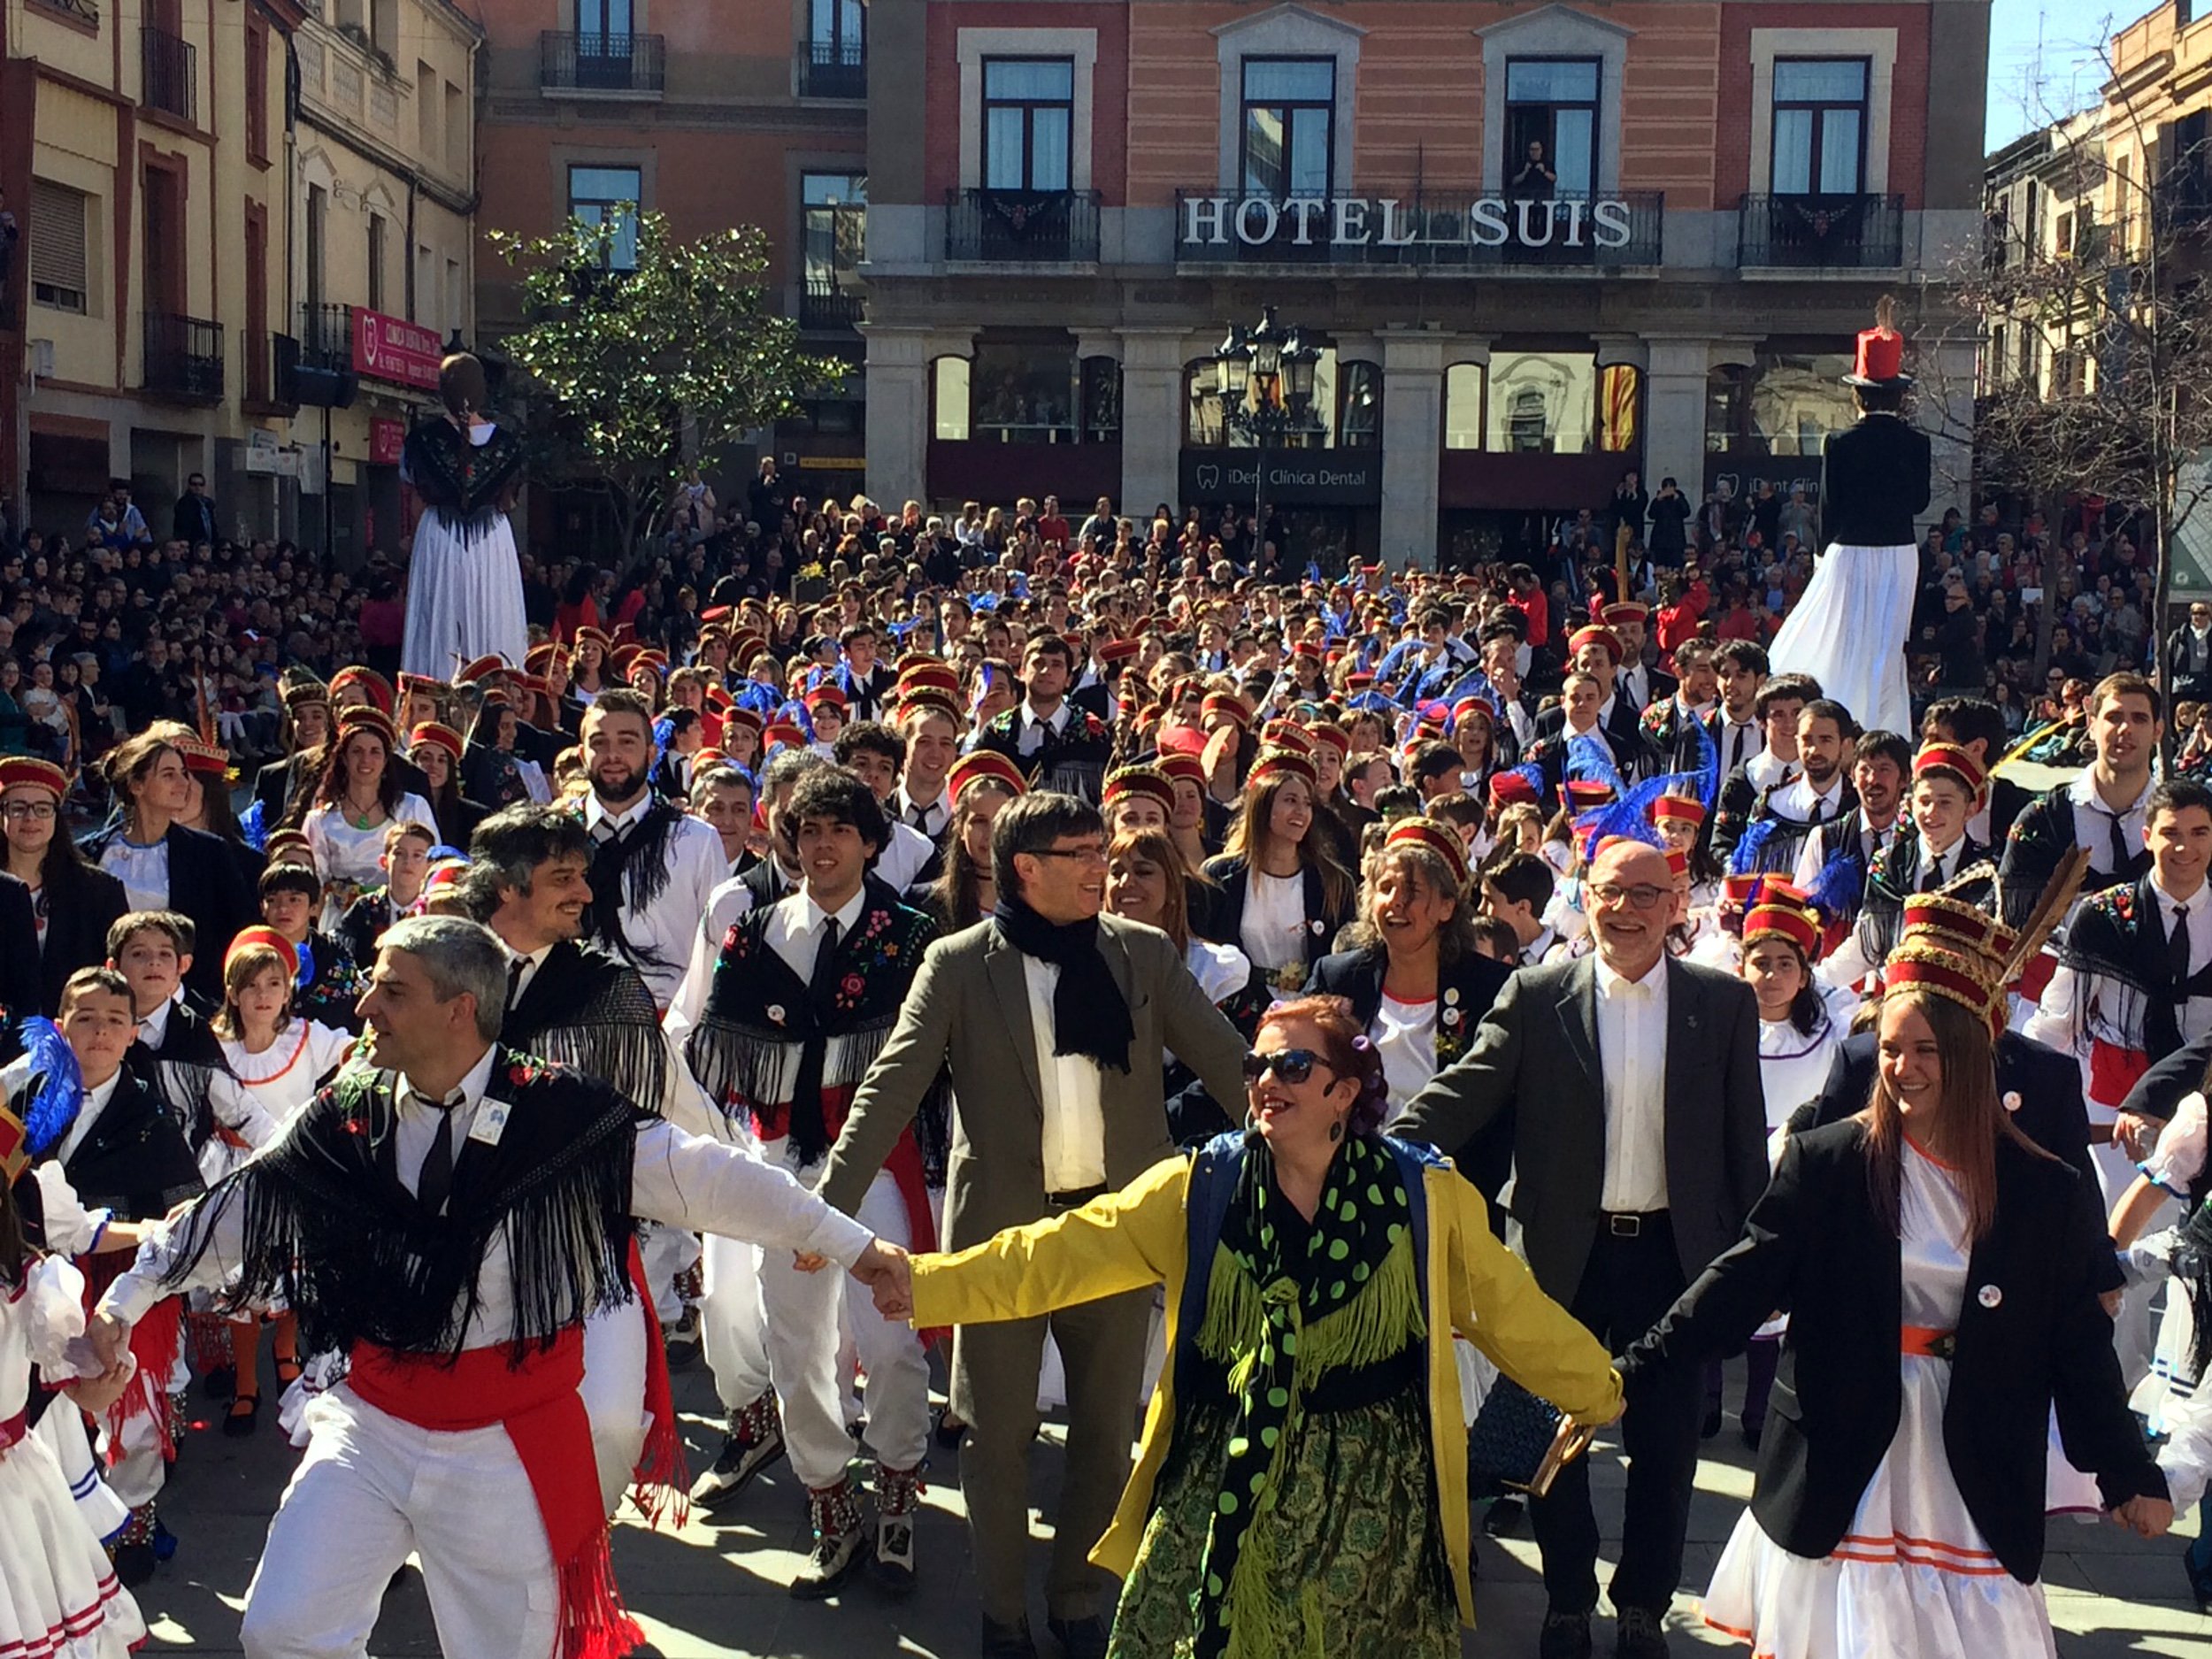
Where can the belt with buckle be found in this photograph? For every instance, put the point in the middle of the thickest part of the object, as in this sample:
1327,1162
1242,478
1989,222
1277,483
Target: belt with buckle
1630,1224
1075,1200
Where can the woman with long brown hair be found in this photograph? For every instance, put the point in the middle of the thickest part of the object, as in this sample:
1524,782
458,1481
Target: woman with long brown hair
1938,1269
979,784
359,792
1283,892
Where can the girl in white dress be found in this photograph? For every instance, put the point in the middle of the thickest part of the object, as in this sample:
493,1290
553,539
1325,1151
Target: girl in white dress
357,797
275,1061
59,1593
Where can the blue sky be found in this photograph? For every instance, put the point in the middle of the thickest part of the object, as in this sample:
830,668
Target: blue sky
2064,38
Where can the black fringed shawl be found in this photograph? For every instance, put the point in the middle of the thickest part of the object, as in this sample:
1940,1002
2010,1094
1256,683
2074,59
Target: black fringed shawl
462,482
328,1225
182,1071
629,874
586,1009
2127,997
748,1047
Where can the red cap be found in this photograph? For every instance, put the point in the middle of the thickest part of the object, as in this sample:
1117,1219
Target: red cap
1439,838
985,763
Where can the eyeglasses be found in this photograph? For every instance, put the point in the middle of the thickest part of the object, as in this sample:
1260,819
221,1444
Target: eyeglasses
36,811
1643,896
1293,1066
1082,855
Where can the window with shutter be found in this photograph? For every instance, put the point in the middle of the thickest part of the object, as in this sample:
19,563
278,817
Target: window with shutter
57,246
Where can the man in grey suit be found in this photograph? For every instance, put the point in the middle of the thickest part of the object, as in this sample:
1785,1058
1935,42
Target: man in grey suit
1053,1019
1631,1081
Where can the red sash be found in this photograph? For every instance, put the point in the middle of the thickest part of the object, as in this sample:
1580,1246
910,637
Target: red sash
156,1341
539,1404
661,1478
2113,1071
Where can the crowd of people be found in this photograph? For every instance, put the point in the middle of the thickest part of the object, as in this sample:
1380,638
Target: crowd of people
1117,972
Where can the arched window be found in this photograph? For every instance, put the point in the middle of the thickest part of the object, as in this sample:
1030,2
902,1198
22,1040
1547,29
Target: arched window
1202,424
949,396
1359,406
1463,387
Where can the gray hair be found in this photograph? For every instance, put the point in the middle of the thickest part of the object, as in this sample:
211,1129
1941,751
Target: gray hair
787,769
458,958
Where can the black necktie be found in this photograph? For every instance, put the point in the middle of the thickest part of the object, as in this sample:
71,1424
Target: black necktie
516,969
2121,856
1736,740
1932,875
2178,945
919,817
432,1185
810,1124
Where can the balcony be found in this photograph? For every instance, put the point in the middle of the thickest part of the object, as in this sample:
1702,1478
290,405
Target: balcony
184,358
1834,232
1461,229
326,336
2181,203
832,69
167,70
827,303
1022,227
624,65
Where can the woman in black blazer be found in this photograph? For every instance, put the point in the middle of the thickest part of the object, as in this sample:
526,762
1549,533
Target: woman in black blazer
73,903
164,866
1939,1274
1283,894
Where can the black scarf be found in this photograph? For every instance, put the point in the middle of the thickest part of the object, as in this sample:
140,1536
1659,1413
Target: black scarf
1089,1014
630,871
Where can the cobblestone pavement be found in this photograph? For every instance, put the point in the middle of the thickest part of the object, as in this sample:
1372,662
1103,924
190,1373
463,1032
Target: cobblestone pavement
714,1590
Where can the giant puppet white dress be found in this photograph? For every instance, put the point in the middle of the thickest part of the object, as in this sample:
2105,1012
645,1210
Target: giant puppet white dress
464,578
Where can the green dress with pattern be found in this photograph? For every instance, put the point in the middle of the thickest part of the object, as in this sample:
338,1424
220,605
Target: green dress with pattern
1353,1550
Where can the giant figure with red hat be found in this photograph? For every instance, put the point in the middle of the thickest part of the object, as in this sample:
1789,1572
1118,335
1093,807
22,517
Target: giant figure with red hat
1848,629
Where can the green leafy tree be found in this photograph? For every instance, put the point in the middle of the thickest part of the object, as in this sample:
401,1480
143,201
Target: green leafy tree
644,352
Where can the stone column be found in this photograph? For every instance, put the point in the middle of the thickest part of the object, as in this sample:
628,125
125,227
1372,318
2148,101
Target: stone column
1674,415
898,372
1413,436
1151,420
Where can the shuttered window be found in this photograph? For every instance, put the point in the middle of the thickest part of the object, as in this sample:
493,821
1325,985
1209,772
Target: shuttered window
57,246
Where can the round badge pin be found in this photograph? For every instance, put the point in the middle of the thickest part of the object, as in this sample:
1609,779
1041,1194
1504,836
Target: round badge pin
1989,1295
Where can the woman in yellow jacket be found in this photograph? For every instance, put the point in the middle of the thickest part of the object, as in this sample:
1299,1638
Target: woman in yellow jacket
1301,1486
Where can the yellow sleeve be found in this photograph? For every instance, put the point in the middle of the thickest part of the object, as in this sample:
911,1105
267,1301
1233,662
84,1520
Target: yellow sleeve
1497,1306
1119,1241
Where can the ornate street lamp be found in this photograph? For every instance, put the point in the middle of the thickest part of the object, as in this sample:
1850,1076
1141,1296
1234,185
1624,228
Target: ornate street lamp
1264,377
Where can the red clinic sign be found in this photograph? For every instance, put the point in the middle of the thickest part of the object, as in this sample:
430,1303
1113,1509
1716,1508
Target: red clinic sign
386,438
390,348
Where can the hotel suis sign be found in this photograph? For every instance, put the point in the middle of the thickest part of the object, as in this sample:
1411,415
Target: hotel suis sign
1385,223
1295,478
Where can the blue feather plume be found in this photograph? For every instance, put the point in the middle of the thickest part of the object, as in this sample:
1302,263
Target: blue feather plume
1745,860
1841,885
442,852
1531,775
253,824
59,1093
795,713
759,697
1588,761
1708,770
1628,817
1473,683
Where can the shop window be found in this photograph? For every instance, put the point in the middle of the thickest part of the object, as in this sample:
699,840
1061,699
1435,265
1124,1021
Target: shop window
1551,127
1289,117
949,398
1463,405
1024,393
1541,402
1028,120
1359,406
1620,388
600,195
1783,403
1820,126
1202,424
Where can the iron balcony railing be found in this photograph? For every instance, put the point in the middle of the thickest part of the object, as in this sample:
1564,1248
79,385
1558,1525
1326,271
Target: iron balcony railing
1830,232
184,356
166,64
1456,228
1022,227
832,69
326,336
569,61
825,303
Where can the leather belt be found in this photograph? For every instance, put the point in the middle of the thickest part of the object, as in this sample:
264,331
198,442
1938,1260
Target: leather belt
1626,1224
1076,1200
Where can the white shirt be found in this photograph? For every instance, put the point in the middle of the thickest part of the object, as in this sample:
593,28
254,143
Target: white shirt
936,815
905,856
679,1178
153,1031
1404,1033
2093,821
794,928
1030,739
1074,1112
343,852
664,932
1766,769
143,869
730,901
1799,800
1273,933
1632,1056
1740,742
531,961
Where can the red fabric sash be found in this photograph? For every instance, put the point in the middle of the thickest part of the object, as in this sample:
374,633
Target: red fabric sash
662,1480
539,1404
904,1167
2035,976
156,1341
2113,1071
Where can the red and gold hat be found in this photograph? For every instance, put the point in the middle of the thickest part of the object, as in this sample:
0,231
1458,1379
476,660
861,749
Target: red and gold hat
376,720
1467,706
1288,735
1678,862
289,847
1741,890
1955,924
1626,610
378,689
1179,767
1149,782
36,773
481,668
1117,650
1774,917
1952,975
929,675
708,756
658,661
985,763
441,877
745,647
589,635
202,758
931,698
1310,650
1582,794
538,659
1334,735
306,694
1226,703
262,939
535,685
1592,634
437,735
1509,788
787,733
1950,757
1439,838
1358,679
750,719
1283,762
1677,808
827,695
716,613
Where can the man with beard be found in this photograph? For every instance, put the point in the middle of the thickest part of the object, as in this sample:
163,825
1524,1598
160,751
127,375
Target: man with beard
1820,794
655,867
1056,745
1671,724
1879,762
1745,784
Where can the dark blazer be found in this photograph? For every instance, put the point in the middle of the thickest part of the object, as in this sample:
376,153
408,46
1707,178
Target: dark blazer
208,886
1538,1049
2159,1090
1466,991
77,923
1874,480
1223,922
2031,1334
22,985
136,1161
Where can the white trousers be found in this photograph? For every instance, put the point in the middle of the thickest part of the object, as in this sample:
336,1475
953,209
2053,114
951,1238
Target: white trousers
2133,1332
614,1394
732,1325
370,1490
666,1252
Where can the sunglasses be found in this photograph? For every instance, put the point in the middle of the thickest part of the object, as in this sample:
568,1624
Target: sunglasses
1293,1066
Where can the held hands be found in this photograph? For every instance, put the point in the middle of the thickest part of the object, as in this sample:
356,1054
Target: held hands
884,1270
2146,1517
96,1394
111,1339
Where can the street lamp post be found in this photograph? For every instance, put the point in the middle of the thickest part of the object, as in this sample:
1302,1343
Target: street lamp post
1265,376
